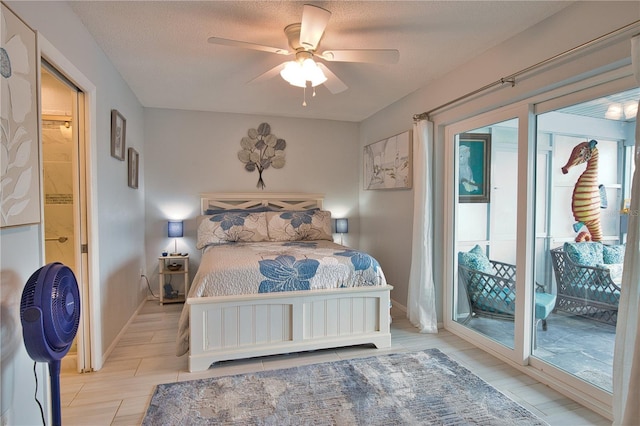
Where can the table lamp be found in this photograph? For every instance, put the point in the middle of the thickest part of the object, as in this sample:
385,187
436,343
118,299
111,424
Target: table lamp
342,227
176,230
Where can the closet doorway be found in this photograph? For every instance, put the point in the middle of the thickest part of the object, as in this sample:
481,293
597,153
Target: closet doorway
65,195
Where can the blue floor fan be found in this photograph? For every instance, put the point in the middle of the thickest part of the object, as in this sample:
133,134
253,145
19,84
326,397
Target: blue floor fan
50,314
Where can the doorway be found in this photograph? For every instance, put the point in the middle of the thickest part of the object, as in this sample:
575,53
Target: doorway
64,194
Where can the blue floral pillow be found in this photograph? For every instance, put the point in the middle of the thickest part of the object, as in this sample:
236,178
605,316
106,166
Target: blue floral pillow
299,225
613,253
476,259
588,253
231,227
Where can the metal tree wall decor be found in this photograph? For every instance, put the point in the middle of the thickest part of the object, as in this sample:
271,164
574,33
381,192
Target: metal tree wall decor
260,150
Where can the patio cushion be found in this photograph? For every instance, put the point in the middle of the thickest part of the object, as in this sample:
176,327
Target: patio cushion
504,302
501,301
585,253
476,259
545,303
612,254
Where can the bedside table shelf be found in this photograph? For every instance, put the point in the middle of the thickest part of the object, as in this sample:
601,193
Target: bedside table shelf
164,272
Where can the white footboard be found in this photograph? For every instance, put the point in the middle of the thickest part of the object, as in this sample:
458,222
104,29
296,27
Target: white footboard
233,327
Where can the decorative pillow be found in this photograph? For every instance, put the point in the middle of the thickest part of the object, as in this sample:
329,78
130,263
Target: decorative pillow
476,259
297,225
615,271
586,253
613,253
232,227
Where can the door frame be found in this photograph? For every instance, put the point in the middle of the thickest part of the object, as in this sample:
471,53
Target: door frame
522,342
458,120
88,114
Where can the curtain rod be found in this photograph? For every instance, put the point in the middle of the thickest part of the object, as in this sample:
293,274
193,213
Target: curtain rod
512,77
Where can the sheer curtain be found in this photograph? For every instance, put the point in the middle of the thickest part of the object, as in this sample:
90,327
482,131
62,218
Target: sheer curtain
421,305
626,358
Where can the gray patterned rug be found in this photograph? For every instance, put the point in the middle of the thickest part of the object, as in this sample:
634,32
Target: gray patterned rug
414,388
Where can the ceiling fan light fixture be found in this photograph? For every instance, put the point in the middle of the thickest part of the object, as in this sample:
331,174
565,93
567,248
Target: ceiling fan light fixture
292,74
315,75
298,73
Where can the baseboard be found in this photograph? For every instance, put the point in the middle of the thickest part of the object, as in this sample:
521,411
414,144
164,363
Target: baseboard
403,308
398,305
115,342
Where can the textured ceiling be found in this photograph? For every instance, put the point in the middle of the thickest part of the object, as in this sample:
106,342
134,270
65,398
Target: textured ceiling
161,49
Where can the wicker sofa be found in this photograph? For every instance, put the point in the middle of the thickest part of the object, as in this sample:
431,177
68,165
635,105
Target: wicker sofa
491,288
588,290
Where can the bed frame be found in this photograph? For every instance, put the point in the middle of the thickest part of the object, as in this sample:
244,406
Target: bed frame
245,326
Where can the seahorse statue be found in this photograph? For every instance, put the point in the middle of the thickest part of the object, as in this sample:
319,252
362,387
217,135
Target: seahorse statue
585,202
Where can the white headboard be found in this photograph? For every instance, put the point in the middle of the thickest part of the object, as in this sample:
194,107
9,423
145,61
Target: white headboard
247,200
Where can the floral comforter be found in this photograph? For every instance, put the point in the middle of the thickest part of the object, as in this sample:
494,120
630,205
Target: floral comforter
266,267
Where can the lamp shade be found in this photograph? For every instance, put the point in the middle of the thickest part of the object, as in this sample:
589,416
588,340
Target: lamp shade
298,73
176,229
342,226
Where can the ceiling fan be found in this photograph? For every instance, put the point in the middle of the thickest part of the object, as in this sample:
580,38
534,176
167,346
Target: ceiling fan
304,41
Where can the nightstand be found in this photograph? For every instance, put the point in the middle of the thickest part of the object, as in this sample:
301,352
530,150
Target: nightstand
166,272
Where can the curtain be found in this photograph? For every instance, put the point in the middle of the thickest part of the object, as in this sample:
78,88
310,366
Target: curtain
421,304
626,358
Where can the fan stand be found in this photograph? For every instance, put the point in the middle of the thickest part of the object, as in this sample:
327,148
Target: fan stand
56,407
50,315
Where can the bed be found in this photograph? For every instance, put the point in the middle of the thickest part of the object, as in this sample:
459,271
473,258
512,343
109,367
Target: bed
334,297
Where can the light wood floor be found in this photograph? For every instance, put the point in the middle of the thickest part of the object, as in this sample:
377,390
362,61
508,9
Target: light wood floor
120,392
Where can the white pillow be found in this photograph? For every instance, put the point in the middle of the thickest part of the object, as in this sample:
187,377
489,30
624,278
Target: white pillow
615,271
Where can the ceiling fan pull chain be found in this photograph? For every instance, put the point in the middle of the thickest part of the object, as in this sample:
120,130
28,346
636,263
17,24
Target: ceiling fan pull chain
304,97
314,92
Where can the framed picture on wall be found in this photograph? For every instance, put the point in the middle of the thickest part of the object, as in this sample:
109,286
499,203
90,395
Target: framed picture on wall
132,174
118,134
19,124
387,163
474,167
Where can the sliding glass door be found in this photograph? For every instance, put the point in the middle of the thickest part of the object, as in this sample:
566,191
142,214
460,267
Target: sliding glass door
581,229
537,193
485,195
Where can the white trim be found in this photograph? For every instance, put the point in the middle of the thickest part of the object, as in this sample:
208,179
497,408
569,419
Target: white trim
247,200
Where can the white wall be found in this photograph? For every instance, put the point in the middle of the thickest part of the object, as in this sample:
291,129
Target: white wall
117,220
190,152
386,216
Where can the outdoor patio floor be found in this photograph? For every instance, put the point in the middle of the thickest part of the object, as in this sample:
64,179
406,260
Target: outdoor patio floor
580,346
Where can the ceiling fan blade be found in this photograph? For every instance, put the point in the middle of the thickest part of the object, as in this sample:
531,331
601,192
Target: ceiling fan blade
245,45
333,83
373,56
314,21
268,75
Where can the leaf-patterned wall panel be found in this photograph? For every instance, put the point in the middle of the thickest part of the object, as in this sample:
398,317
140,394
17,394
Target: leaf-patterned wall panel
19,163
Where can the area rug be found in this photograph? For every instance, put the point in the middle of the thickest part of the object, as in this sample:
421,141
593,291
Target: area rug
424,387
